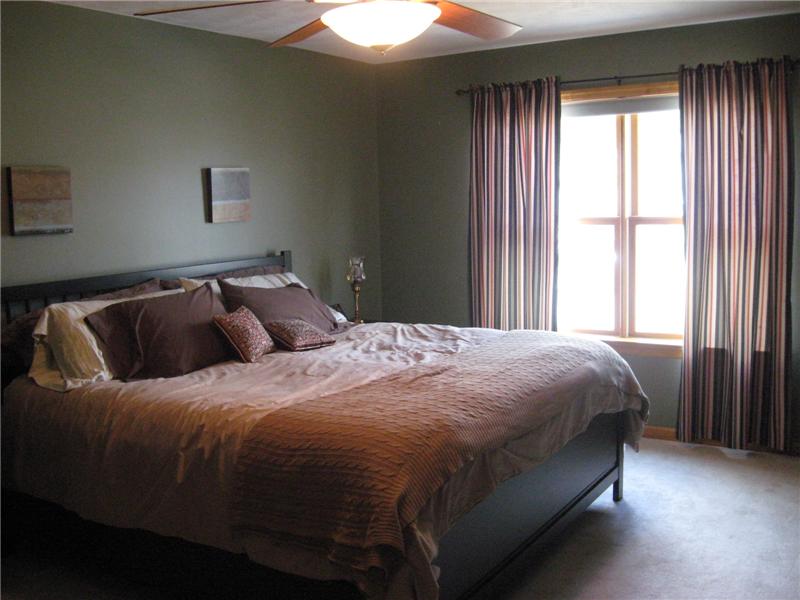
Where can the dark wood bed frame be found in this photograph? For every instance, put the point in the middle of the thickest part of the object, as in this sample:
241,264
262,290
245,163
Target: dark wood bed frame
19,299
524,512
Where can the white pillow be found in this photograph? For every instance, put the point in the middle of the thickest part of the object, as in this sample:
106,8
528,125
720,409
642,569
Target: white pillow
273,280
66,354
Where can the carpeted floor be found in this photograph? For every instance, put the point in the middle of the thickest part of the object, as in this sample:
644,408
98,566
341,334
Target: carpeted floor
697,523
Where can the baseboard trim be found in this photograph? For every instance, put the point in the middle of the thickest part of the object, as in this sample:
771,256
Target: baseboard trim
660,433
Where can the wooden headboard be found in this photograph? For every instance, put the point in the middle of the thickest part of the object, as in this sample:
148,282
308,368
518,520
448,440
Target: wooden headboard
19,299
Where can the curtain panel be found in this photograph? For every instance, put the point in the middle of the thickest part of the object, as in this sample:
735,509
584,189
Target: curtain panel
738,192
513,211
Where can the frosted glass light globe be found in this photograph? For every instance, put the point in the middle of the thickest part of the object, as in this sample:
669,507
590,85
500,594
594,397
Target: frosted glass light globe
381,24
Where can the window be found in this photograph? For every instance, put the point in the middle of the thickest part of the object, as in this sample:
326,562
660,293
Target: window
621,269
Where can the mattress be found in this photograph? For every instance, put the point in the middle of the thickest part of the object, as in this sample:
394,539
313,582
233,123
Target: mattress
161,454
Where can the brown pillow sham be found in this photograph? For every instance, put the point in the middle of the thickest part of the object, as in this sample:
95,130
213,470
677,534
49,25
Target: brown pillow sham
245,333
276,304
174,284
247,272
17,336
297,335
16,347
146,287
161,337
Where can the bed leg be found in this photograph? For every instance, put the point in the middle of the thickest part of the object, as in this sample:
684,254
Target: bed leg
620,457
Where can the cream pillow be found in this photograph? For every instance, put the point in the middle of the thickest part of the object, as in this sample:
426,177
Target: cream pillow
66,354
273,280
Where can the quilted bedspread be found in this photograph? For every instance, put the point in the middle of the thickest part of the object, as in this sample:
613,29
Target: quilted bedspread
350,471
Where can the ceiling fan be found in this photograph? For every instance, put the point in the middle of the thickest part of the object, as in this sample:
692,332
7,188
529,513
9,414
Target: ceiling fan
381,24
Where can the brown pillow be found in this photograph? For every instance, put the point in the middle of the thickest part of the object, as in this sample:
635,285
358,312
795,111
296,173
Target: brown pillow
147,287
247,272
297,335
171,284
175,284
245,333
17,336
276,304
161,337
16,347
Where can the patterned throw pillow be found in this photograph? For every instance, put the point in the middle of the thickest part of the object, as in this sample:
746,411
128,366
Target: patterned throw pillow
246,333
296,335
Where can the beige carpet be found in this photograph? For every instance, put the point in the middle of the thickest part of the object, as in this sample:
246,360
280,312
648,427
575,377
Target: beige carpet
696,523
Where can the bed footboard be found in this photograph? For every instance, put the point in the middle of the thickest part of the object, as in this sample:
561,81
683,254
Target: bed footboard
531,508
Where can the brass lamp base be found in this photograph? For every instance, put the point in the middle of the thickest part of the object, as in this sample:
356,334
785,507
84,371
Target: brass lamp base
356,293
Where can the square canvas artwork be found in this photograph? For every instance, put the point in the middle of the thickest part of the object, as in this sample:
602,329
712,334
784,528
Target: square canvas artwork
40,200
228,192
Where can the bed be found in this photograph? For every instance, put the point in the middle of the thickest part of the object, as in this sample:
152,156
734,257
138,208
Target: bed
213,456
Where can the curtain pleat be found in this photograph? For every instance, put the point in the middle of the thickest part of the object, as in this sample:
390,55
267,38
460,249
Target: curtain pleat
513,216
738,194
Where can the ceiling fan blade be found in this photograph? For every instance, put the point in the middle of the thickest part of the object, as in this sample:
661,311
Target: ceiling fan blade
475,22
298,35
150,13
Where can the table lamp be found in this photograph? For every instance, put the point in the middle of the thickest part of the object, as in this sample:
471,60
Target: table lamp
355,275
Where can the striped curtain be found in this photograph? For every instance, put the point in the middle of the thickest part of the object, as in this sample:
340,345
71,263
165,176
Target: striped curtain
513,186
738,192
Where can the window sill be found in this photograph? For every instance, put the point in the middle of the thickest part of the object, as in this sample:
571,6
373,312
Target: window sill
654,347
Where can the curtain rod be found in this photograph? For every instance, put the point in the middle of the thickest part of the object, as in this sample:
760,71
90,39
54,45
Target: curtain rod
595,79
618,78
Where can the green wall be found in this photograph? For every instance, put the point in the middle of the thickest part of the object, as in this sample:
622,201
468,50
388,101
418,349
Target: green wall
344,157
424,129
136,109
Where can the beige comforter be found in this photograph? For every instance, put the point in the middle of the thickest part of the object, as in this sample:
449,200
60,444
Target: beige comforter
162,454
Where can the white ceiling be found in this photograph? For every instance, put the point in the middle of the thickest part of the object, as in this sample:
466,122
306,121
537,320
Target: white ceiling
541,21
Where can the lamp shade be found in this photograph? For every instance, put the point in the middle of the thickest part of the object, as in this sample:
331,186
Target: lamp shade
355,270
381,24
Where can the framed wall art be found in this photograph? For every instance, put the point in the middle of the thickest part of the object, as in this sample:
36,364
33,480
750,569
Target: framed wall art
227,193
40,200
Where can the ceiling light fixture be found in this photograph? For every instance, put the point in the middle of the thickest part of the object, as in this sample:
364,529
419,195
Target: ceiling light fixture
381,24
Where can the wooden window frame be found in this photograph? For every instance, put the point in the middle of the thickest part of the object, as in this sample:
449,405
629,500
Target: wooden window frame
619,92
627,218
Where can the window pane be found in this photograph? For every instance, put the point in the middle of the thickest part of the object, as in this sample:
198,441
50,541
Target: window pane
660,279
587,262
588,176
659,156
